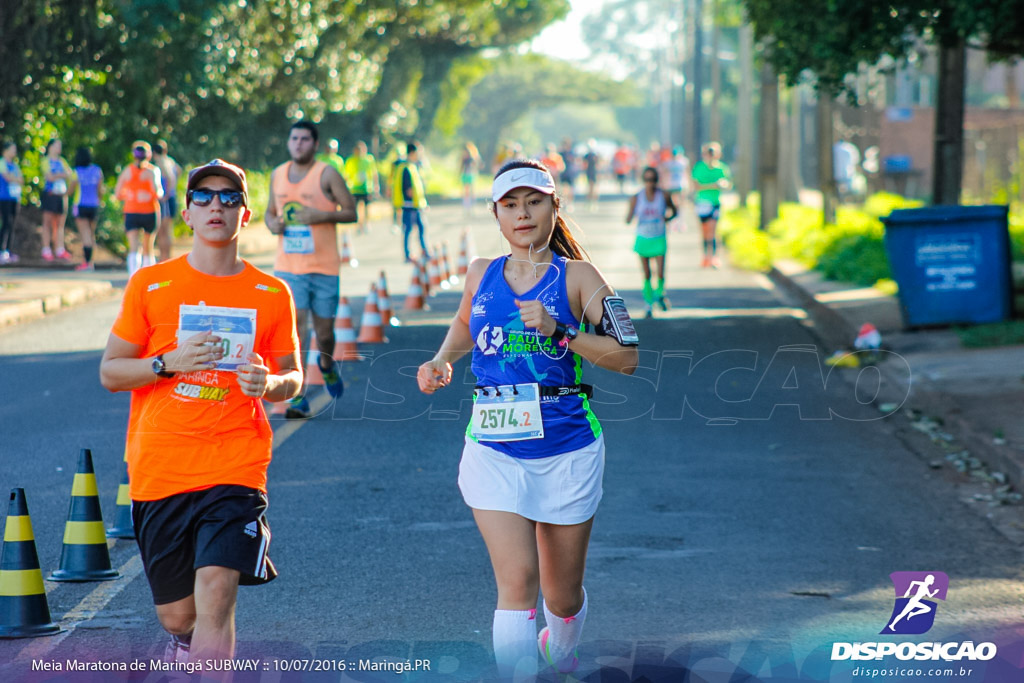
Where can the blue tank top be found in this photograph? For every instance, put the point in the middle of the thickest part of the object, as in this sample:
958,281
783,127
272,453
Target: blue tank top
58,187
505,352
5,187
89,178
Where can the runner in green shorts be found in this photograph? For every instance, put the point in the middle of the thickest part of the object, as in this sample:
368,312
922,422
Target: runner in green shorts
653,208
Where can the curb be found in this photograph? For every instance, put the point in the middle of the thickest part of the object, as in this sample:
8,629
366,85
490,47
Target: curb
35,307
836,332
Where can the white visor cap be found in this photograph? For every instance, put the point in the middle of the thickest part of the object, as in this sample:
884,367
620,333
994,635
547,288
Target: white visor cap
522,177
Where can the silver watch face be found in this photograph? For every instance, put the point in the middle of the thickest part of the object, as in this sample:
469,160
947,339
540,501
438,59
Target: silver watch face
158,365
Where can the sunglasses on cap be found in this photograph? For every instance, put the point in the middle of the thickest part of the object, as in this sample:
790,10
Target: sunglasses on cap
202,196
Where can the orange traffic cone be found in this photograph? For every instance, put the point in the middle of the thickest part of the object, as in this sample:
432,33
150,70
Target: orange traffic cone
24,612
384,301
462,264
434,272
371,330
85,556
347,254
448,277
414,297
424,268
314,378
123,527
344,335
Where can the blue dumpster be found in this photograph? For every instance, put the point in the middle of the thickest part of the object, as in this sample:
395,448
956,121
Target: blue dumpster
952,264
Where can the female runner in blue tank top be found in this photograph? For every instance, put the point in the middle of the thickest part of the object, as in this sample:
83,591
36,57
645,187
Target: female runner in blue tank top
533,460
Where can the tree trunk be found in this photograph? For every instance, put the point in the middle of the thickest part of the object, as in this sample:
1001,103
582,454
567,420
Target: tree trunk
744,161
768,134
826,165
949,122
1012,92
716,75
698,76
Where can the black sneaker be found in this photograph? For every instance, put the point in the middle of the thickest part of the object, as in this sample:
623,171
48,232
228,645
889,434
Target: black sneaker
664,303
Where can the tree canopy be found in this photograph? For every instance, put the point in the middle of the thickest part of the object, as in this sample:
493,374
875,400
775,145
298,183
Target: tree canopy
224,76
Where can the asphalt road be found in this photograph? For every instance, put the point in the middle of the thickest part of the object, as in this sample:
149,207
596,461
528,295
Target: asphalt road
755,504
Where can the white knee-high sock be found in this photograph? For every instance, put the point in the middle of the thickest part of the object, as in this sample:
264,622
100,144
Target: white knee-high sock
564,633
148,260
515,644
134,262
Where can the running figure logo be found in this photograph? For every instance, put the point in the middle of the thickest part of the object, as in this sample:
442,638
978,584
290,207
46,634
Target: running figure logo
914,611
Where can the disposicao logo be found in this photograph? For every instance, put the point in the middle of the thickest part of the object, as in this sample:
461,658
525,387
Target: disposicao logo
913,614
916,593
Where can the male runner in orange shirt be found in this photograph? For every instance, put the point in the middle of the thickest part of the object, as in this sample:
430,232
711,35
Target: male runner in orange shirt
201,341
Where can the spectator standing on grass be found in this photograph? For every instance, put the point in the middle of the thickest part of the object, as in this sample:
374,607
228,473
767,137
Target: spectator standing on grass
11,182
56,181
89,185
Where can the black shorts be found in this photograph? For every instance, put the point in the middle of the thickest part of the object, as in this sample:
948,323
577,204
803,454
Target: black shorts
140,221
87,212
54,203
223,526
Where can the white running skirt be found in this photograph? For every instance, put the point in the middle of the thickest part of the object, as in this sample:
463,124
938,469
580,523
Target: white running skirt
562,489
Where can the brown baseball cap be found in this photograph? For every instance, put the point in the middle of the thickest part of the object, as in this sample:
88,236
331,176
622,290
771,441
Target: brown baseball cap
221,168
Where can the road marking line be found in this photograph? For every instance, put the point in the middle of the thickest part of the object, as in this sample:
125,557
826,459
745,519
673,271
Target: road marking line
285,431
85,610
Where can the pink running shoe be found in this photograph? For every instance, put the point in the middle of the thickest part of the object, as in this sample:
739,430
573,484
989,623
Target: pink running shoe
85,266
47,254
63,255
542,644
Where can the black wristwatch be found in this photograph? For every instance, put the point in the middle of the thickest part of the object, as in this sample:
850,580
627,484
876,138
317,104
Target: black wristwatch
160,368
564,333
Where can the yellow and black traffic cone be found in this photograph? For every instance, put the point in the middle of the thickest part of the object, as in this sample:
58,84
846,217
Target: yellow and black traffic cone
123,527
24,612
84,556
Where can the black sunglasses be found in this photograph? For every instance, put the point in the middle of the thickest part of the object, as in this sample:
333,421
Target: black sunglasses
650,179
202,196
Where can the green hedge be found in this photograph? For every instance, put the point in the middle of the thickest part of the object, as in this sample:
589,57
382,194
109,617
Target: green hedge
850,250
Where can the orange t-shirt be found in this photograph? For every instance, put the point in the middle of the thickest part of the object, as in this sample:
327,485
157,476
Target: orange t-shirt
196,430
140,195
305,249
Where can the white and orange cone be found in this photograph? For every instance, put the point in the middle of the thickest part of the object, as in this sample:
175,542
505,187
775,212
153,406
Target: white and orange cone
414,297
347,253
434,272
344,334
384,302
371,330
462,264
449,275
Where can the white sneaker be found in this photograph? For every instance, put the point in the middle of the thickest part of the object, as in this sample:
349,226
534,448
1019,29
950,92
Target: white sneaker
5,257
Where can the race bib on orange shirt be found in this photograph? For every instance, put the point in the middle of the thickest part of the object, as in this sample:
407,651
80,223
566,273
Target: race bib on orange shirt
235,326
